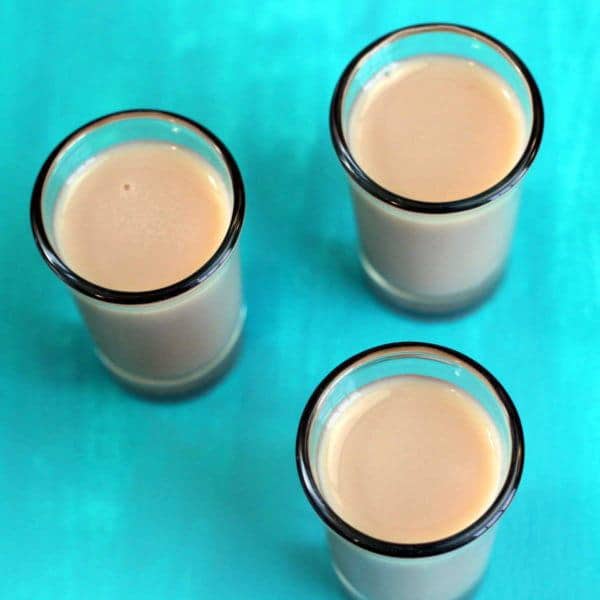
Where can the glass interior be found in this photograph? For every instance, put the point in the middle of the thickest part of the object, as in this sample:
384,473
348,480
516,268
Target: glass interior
119,129
441,39
414,360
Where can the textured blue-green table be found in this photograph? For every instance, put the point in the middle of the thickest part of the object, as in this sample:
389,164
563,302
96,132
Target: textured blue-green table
104,495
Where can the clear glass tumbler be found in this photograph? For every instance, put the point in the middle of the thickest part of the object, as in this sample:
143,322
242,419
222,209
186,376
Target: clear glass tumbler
167,340
424,256
446,569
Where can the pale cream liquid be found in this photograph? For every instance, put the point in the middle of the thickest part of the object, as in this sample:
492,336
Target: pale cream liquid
437,128
410,459
141,216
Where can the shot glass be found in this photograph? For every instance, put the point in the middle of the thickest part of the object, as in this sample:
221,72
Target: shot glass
374,569
166,340
425,256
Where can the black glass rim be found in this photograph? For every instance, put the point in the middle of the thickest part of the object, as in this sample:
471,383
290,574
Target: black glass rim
498,189
461,538
89,288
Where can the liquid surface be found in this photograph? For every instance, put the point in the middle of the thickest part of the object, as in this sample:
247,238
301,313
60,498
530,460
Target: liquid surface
141,216
437,128
410,459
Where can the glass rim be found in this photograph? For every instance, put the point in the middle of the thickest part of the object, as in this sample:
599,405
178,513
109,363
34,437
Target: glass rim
88,288
352,167
401,550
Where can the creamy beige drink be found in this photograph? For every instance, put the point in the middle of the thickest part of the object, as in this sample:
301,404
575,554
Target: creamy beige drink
141,216
140,213
435,144
410,459
409,453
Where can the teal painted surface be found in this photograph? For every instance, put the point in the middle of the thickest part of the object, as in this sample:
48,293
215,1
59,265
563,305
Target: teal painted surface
104,495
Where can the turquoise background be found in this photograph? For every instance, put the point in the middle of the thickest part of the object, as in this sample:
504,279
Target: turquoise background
105,495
